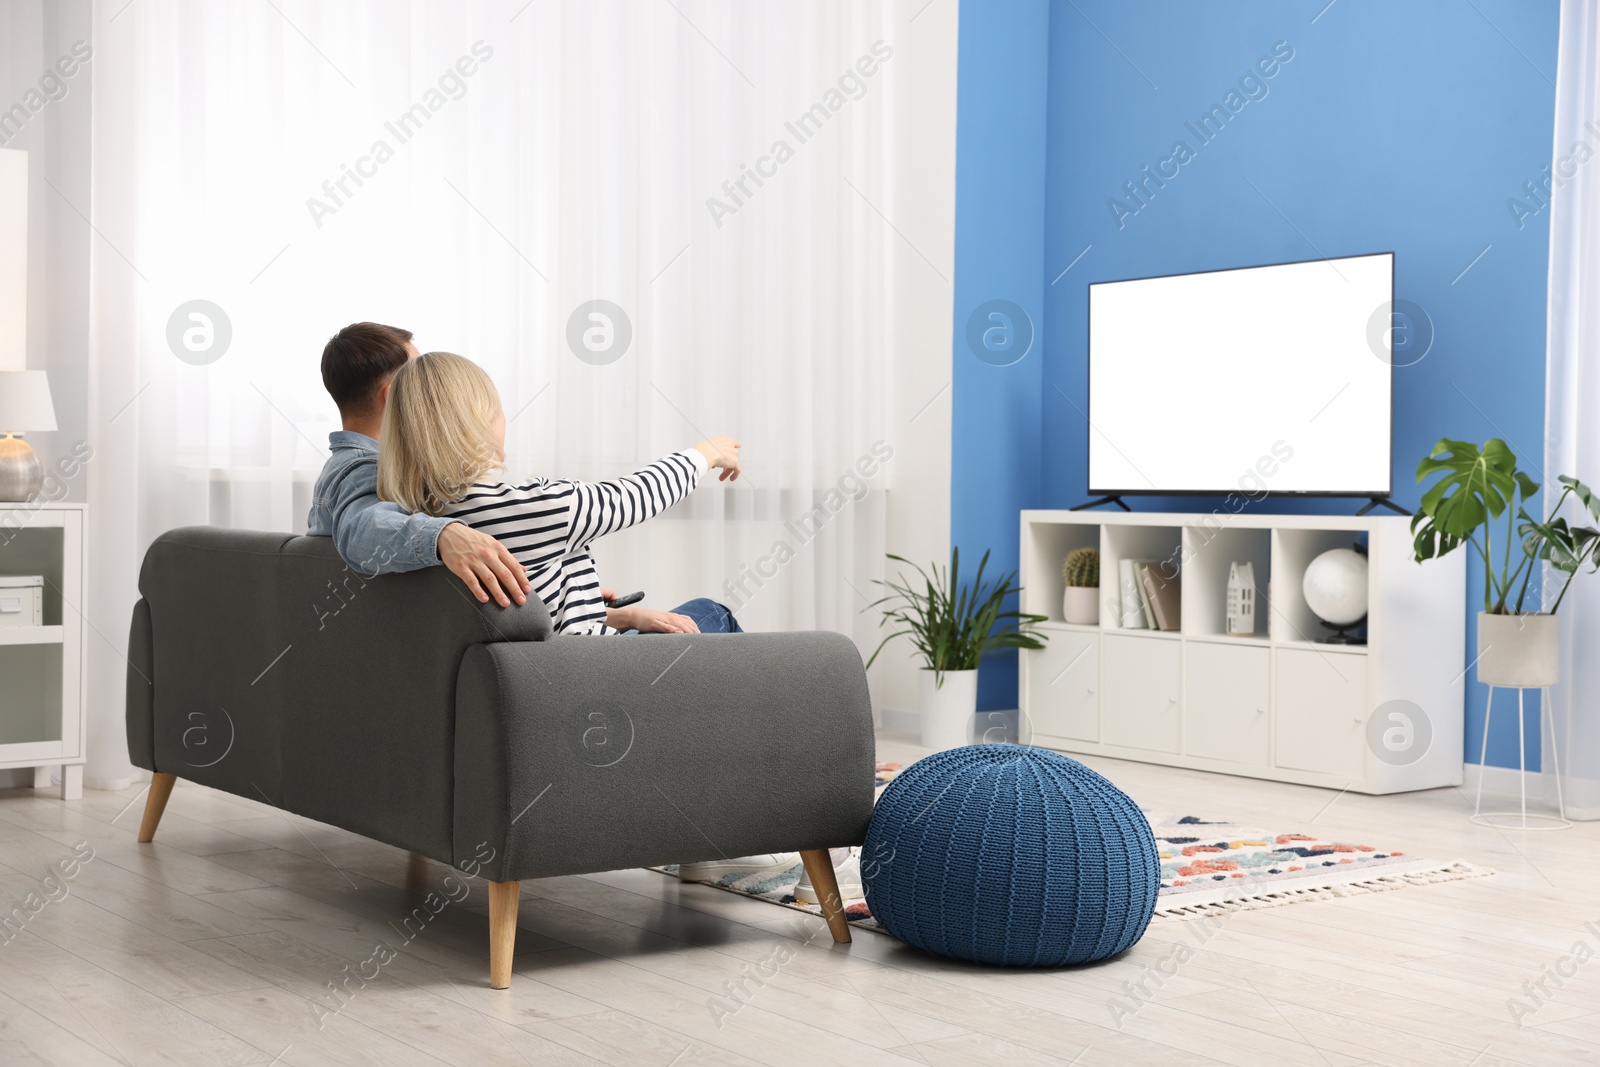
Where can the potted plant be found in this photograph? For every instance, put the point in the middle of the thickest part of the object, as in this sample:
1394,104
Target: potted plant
951,628
1080,601
1476,487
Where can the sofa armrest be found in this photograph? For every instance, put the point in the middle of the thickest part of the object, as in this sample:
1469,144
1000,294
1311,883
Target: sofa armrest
585,754
140,710
285,676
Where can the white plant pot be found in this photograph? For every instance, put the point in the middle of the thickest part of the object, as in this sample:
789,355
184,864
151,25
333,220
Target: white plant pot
1519,650
1080,605
948,710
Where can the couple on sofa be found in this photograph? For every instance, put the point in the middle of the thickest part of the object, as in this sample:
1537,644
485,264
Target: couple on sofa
415,480
430,494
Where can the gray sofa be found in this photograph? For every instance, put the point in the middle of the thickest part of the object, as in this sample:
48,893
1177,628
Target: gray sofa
401,709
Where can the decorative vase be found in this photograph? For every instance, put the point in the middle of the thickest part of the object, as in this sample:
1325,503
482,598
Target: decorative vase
948,709
1241,615
21,477
1519,651
1080,605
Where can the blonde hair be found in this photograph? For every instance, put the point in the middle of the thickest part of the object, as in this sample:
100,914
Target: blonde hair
434,442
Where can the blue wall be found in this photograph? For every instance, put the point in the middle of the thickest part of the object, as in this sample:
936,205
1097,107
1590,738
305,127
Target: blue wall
1000,247
1392,126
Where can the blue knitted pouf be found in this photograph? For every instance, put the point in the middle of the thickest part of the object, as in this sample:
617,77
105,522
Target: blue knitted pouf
1012,855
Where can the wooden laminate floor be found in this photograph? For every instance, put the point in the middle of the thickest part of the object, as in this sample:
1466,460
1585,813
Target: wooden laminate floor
222,944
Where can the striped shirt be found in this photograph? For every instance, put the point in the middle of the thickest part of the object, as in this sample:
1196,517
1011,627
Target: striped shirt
548,525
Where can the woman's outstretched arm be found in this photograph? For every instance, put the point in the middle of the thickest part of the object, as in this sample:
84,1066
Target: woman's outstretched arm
600,508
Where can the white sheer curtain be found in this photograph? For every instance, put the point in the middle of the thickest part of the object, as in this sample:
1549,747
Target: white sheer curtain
1572,432
557,153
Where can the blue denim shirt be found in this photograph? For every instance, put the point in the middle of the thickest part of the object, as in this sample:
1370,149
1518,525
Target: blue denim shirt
374,536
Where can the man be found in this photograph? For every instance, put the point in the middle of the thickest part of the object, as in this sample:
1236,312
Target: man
374,536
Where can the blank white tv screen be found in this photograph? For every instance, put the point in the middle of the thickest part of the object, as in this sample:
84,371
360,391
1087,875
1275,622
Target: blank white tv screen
1261,379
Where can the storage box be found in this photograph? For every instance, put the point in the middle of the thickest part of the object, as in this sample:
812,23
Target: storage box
21,600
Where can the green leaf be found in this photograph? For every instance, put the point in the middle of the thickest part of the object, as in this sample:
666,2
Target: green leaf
1475,485
1584,494
1430,501
951,624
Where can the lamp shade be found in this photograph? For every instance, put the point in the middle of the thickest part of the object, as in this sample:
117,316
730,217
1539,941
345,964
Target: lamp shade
25,402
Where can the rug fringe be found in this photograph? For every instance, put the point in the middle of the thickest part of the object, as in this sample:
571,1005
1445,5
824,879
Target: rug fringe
1445,872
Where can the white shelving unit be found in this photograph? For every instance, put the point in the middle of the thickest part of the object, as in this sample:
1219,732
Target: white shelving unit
42,710
1279,705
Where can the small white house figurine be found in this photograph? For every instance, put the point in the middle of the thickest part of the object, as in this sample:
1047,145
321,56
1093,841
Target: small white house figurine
1241,600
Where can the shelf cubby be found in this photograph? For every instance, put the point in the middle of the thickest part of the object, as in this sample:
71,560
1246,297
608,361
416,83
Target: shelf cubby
1049,543
1292,619
30,706
38,550
43,715
1162,544
1209,552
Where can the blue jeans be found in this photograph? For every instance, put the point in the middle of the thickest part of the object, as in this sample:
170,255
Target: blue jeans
710,616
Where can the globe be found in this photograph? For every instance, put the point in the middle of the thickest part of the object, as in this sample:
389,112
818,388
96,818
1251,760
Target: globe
1336,586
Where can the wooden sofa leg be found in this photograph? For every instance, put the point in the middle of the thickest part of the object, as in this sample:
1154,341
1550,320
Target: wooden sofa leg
819,867
503,898
154,804
417,875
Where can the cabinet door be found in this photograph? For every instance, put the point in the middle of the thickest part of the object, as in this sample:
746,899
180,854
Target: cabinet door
1225,693
1063,687
1143,698
1320,710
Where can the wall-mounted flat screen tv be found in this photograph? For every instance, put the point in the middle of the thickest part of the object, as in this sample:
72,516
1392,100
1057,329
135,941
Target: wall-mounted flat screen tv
1275,378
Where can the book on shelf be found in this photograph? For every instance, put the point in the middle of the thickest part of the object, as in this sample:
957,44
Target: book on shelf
1131,616
1165,596
1140,567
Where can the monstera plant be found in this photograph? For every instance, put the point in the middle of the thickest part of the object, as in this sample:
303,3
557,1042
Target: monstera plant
1480,499
1476,488
1566,548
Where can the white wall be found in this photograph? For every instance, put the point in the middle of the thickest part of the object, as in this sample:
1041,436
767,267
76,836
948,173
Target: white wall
34,34
13,259
918,522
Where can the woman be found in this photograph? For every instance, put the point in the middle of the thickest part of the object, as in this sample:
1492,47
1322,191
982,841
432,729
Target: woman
443,434
444,431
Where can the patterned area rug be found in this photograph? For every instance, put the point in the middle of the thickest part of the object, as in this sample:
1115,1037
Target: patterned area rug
1207,868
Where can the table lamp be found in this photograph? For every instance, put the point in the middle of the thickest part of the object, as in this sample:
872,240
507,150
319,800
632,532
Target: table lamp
24,405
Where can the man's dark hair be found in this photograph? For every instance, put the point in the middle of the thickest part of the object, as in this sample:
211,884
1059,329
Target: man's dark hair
358,359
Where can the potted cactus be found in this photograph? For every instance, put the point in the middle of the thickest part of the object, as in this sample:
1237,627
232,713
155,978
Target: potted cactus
1080,602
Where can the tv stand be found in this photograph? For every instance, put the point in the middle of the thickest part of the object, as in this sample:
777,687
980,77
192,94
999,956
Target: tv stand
1114,498
1375,502
1279,704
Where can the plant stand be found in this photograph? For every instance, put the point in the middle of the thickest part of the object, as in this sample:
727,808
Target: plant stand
1521,817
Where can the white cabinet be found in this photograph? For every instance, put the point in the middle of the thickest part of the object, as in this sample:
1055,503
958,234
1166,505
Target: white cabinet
1322,711
1281,704
1064,687
1144,684
1227,691
42,667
